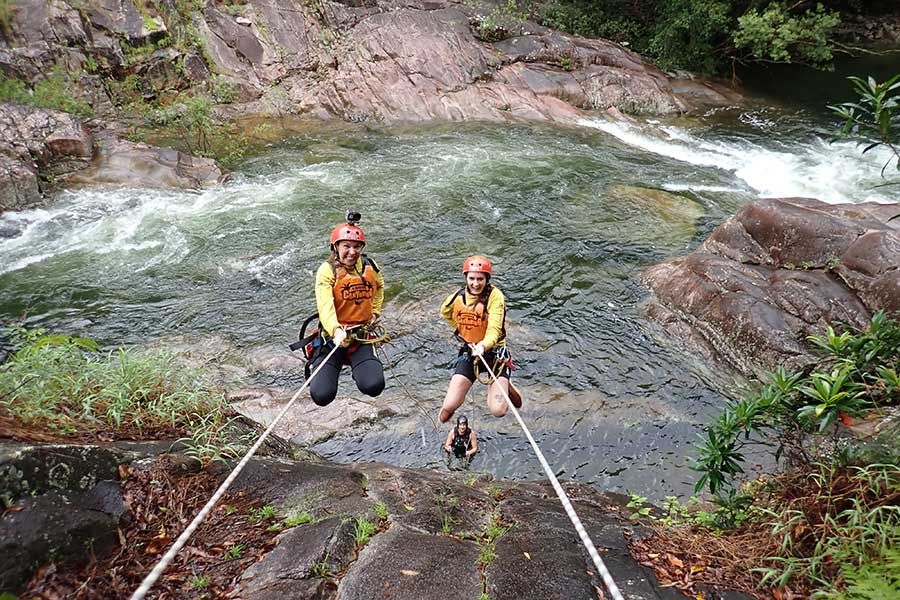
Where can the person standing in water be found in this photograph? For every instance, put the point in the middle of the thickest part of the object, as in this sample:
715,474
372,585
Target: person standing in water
349,296
477,314
462,442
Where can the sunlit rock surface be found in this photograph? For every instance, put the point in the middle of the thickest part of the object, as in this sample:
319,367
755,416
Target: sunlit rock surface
777,272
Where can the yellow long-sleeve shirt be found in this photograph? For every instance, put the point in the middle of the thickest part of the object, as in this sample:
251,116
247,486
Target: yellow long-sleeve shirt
496,309
325,278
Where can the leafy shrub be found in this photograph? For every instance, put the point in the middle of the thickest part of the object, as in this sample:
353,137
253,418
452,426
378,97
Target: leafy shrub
775,34
503,21
55,92
835,512
873,118
66,384
858,372
688,34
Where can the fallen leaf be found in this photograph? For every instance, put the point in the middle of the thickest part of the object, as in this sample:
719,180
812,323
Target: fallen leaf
528,556
124,472
157,544
675,561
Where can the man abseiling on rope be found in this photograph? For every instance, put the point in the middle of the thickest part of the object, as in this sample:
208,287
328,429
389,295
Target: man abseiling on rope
462,441
477,314
349,297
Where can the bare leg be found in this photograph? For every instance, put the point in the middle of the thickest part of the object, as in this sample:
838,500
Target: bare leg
496,400
456,393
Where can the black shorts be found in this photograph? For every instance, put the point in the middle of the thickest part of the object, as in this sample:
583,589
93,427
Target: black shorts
465,366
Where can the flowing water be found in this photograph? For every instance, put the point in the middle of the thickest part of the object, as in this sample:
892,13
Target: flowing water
570,217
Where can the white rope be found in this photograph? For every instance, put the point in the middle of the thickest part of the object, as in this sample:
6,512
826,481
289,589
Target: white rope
151,578
561,493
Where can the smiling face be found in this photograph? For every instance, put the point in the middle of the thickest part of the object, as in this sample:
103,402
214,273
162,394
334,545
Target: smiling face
475,282
348,252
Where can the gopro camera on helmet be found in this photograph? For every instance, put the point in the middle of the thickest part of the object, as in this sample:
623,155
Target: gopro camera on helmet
353,217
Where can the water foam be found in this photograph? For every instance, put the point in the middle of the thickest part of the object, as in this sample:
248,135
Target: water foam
120,221
832,172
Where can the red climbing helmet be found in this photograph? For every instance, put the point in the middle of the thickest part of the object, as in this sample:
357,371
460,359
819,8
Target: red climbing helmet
478,264
345,231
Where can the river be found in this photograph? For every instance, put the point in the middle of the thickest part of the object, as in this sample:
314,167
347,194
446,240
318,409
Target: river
569,215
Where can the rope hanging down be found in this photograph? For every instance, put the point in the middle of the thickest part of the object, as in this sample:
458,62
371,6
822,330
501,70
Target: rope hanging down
563,497
157,571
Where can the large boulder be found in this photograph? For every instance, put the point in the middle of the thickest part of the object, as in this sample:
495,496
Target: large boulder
382,60
777,272
433,542
120,162
420,61
37,144
39,148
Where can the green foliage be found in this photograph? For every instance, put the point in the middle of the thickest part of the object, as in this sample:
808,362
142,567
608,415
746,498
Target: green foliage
13,90
873,580
381,511
638,504
447,524
363,530
847,525
703,35
65,384
835,513
321,569
192,127
236,551
777,35
858,373
199,582
617,20
874,118
56,91
141,52
223,90
493,529
688,32
299,519
503,21
214,439
6,15
264,513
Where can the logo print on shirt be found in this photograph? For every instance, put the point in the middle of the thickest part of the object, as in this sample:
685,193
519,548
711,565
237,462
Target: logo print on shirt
356,292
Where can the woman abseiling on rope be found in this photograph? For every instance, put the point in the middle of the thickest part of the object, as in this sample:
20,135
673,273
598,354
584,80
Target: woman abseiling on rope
477,314
462,441
349,298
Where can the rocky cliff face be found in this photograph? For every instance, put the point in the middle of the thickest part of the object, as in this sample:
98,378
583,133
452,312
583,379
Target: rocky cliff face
428,535
384,60
380,61
778,271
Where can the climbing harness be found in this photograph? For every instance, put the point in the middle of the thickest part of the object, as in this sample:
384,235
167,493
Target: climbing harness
564,498
317,342
157,571
502,360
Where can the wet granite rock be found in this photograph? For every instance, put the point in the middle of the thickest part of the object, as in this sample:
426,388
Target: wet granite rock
432,529
430,543
35,142
36,469
120,162
379,60
777,272
57,525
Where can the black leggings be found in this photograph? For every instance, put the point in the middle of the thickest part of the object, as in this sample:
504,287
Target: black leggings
368,373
